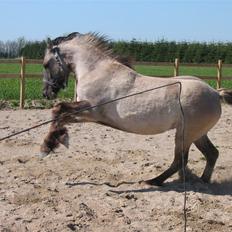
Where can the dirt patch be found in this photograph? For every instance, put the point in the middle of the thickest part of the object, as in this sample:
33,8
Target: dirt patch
66,190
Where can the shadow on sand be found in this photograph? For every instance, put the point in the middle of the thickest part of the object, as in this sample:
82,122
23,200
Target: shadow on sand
193,184
222,188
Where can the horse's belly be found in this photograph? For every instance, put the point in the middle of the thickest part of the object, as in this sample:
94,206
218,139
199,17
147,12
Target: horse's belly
147,126
145,122
149,129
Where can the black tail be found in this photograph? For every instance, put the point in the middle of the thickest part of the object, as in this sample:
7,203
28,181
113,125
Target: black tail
226,95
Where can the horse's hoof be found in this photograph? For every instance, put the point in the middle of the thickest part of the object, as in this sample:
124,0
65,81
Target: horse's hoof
153,182
66,143
205,180
42,154
64,139
44,151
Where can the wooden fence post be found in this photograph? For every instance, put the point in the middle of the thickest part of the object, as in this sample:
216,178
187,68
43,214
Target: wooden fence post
219,74
176,67
22,83
75,89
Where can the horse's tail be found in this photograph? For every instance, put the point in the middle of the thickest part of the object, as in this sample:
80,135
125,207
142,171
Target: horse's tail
226,95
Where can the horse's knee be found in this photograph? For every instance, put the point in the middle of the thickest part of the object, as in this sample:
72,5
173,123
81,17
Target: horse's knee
58,109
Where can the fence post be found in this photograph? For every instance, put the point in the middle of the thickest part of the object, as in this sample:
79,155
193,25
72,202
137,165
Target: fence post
75,89
219,74
22,83
176,67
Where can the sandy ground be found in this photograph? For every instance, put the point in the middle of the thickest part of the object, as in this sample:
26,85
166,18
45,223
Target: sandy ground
66,192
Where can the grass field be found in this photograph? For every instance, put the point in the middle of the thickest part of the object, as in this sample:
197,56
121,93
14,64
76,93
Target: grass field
9,88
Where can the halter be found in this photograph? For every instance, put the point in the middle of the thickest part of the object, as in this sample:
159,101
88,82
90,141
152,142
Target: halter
62,65
59,60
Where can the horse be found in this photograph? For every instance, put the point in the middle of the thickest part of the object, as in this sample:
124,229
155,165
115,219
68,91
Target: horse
102,77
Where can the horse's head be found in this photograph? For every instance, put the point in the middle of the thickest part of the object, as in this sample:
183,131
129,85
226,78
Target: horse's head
56,71
64,55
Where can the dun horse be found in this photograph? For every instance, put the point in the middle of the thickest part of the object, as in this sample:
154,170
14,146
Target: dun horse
102,77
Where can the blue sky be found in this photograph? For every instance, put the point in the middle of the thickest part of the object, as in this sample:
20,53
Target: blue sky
190,20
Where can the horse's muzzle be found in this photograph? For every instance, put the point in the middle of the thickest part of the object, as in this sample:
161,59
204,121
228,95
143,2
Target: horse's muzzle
49,95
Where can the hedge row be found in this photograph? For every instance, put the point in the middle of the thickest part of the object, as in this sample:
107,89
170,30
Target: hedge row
159,51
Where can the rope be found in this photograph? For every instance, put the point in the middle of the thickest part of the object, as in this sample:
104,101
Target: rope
183,162
115,100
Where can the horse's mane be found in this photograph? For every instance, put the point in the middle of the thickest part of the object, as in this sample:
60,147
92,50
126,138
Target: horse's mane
101,42
62,39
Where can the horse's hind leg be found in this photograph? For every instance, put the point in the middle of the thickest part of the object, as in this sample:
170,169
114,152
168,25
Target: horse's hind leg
211,154
176,164
63,113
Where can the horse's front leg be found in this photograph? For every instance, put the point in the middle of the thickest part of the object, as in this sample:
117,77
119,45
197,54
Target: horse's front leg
62,113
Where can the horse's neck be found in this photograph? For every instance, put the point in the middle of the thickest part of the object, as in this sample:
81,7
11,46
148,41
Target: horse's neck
96,72
107,81
92,65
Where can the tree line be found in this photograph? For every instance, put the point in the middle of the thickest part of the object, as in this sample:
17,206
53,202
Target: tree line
158,51
167,51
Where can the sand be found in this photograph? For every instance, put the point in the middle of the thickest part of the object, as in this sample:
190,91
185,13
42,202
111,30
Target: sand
67,190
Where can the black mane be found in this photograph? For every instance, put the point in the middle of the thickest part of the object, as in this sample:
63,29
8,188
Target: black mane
61,39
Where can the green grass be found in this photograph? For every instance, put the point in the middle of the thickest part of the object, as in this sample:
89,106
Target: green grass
9,88
154,70
9,68
192,71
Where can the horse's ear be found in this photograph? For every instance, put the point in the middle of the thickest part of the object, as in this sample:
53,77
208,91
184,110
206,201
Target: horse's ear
49,43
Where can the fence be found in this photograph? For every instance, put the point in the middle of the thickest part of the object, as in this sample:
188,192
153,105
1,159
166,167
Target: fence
22,75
